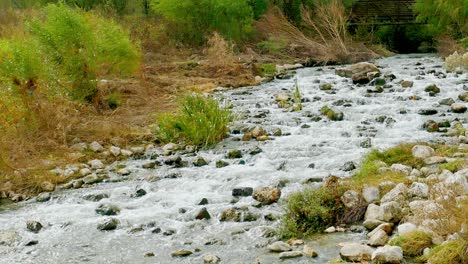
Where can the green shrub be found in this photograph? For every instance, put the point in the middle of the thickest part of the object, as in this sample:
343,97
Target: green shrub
200,122
272,45
113,100
448,253
412,243
444,16
259,7
311,211
193,20
454,166
84,48
267,69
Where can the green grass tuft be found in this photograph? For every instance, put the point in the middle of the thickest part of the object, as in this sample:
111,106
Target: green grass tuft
451,252
412,243
200,122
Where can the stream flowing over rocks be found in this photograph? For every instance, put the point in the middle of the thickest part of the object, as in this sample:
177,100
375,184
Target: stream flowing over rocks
223,205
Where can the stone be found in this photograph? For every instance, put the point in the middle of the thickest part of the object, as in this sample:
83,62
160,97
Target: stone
277,132
242,191
422,152
149,165
406,84
107,209
169,148
257,132
124,172
432,89
435,160
386,227
458,108
126,153
31,243
47,186
370,194
399,194
366,143
431,126
279,246
221,164
331,229
350,199
108,224
295,242
234,154
96,164
211,259
256,150
199,162
373,212
95,197
33,226
79,147
406,170
355,252
85,172
91,179
181,253
371,224
427,111
139,193
463,97
362,72
308,251
388,255
348,166
447,101
291,254
406,228
267,195
419,190
379,238
43,197
391,212
115,151
230,214
149,254
96,147
203,214
325,86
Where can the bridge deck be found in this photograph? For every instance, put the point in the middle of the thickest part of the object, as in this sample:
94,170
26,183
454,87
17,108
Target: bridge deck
383,12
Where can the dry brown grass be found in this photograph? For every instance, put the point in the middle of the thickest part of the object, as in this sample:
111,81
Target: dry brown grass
446,46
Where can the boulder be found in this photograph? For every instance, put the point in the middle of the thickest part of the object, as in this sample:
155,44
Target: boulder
108,224
419,190
267,195
242,191
432,89
422,152
350,199
348,166
308,251
398,194
96,147
463,97
447,101
43,197
234,154
279,246
458,108
370,194
96,164
355,252
107,209
406,84
291,254
406,228
34,226
401,168
392,212
435,160
386,227
379,238
115,151
362,72
388,255
203,214
199,162
374,212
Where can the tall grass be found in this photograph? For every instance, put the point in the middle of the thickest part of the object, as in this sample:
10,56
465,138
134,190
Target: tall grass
200,121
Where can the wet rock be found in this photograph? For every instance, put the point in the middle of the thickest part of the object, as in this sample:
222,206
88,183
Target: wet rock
277,132
95,197
203,214
355,252
230,214
234,154
257,132
33,226
124,172
175,161
211,259
388,255
432,89
308,251
43,197
149,254
367,143
458,108
221,164
170,148
242,191
169,232
362,72
348,166
291,254
326,87
350,199
422,152
406,84
181,253
431,126
203,201
31,243
199,162
447,101
370,194
427,112
267,195
279,246
107,209
331,229
463,97
256,150
149,165
139,193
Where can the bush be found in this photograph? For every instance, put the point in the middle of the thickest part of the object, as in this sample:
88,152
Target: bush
412,243
449,253
84,47
311,211
444,16
200,122
193,20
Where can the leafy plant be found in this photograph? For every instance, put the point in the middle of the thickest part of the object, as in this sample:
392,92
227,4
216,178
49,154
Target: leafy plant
200,121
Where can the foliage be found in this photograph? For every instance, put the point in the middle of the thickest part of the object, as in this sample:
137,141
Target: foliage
454,166
405,38
272,45
455,251
200,121
311,211
259,7
84,48
267,69
194,19
412,243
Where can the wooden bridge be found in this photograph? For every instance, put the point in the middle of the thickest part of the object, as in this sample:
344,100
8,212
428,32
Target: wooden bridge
383,12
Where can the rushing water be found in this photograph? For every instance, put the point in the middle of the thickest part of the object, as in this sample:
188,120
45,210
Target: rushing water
70,234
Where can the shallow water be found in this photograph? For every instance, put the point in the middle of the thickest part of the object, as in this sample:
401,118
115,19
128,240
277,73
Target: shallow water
70,234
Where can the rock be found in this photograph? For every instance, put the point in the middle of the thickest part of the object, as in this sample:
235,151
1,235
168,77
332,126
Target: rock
373,212
234,154
230,214
295,242
115,151
419,190
139,193
221,164
95,197
9,237
79,147
379,238
406,228
211,259
124,172
331,229
181,253
242,191
391,212
199,162
432,89
463,97
203,201
406,170
435,160
291,254
169,148
108,224
85,172
203,214
350,199
367,143
458,108
43,197
279,246
447,101
431,126
96,164
149,254
388,255
386,227
91,179
422,152
370,194
33,226
107,209
325,86
308,251
31,243
149,165
399,194
427,111
126,153
267,195
47,187
362,72
257,132
348,166
371,224
406,84
277,132
140,150
96,147
355,252
256,150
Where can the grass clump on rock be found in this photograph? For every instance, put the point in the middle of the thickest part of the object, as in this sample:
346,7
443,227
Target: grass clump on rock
455,251
311,211
412,243
200,121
